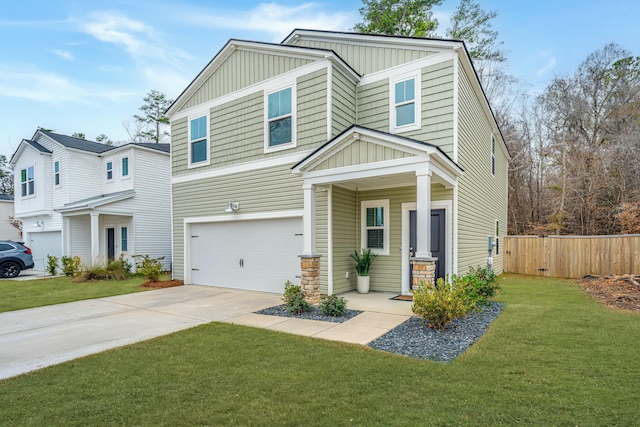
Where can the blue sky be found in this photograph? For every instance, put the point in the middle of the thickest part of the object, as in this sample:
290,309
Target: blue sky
85,65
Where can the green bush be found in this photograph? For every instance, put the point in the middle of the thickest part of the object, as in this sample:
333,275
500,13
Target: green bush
294,299
71,265
52,264
440,304
116,269
333,306
479,284
149,268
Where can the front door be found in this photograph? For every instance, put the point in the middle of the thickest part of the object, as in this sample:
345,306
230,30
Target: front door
111,243
437,240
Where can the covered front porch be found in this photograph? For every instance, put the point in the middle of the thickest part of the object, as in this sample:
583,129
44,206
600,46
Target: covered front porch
369,189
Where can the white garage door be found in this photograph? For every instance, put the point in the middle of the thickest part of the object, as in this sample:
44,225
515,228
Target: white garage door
258,255
43,244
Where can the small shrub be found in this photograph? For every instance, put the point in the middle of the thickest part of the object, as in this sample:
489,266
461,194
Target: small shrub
149,268
440,304
479,284
120,268
333,306
71,265
294,299
116,269
52,264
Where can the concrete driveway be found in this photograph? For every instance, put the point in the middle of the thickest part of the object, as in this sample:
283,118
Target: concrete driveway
38,337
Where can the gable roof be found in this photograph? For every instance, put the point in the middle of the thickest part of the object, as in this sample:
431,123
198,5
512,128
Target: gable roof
36,146
77,143
94,202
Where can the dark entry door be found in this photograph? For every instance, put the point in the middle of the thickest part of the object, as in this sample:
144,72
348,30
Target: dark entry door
111,243
437,240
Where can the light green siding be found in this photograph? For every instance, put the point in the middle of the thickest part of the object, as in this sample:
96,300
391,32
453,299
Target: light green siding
179,149
366,59
345,238
312,109
437,107
322,236
262,190
343,103
482,198
241,69
360,152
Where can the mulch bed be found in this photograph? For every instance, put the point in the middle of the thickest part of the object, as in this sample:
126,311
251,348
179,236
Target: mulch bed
163,284
619,292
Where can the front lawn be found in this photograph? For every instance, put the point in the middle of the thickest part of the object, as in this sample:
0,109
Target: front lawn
553,357
16,295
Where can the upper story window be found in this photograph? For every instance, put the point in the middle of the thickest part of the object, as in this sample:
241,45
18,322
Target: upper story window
198,141
280,119
125,167
27,181
405,103
56,173
375,226
109,171
493,155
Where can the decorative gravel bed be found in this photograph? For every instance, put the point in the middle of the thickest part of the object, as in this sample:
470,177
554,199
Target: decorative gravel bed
313,314
414,338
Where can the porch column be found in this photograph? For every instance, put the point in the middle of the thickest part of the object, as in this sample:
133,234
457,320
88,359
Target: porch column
95,237
309,220
66,236
423,214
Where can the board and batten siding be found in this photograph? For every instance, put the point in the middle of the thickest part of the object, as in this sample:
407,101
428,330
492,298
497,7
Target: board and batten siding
482,197
345,238
366,59
257,191
361,152
242,69
343,103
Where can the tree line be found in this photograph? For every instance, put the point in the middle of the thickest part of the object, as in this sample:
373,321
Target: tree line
575,146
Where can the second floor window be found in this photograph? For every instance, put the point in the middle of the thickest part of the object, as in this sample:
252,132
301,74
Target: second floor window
404,105
56,172
198,140
27,181
280,117
125,166
109,171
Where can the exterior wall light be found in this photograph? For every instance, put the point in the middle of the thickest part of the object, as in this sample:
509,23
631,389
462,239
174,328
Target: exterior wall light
232,207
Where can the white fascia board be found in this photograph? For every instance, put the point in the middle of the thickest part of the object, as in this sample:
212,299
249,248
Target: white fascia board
286,159
408,67
244,216
33,213
280,80
136,147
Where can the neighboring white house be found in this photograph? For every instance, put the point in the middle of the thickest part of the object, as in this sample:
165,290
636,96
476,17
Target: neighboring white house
7,230
78,197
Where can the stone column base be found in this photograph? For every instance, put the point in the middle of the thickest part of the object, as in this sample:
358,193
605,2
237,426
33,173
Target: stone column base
310,278
424,269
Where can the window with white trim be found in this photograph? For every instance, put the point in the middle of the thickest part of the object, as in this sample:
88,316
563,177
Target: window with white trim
198,141
374,216
125,167
27,181
56,173
280,119
124,239
493,155
405,107
109,171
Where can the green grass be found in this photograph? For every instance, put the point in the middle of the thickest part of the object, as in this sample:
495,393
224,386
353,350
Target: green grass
17,295
554,357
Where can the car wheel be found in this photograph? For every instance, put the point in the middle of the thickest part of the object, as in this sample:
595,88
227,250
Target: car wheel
9,269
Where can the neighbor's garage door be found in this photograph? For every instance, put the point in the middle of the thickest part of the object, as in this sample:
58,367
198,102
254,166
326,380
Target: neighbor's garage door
258,255
43,244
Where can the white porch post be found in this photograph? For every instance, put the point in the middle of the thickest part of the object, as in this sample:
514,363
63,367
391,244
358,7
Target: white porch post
95,237
66,236
309,220
423,214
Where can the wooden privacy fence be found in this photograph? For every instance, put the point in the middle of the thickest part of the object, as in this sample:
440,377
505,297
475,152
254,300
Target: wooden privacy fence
572,256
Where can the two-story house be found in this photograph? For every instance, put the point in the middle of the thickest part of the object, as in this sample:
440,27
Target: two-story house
288,157
79,197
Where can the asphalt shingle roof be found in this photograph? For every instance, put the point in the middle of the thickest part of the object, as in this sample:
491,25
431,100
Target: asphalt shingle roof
78,144
37,146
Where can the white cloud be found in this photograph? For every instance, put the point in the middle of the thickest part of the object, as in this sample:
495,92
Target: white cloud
274,19
549,66
63,54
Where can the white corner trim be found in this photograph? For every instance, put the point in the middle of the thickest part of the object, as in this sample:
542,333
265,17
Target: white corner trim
330,240
456,105
329,102
285,159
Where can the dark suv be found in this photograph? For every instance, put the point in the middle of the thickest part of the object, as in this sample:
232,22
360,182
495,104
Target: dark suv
14,257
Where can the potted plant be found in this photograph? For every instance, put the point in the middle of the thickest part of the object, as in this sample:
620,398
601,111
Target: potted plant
363,264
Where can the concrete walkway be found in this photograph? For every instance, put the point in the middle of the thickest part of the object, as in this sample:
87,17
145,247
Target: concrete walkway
38,337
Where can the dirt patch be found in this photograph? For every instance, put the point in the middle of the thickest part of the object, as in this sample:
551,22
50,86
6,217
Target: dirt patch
620,292
162,284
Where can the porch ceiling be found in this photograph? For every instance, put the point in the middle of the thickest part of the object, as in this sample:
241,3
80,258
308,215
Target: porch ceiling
387,181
